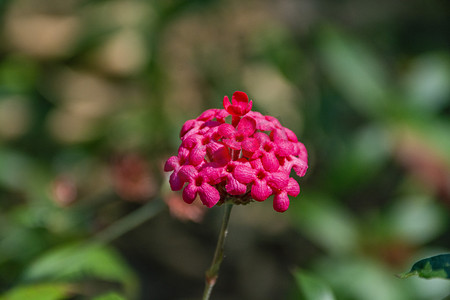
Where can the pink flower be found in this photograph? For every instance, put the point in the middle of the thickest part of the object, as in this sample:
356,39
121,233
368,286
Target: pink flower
218,173
293,162
262,180
267,152
240,137
239,104
249,159
198,183
174,164
281,199
201,142
290,152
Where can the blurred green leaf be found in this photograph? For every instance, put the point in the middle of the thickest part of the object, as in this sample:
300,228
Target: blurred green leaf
81,261
326,223
360,159
355,71
312,287
432,133
356,277
426,84
15,168
432,267
29,241
46,291
17,73
416,220
109,296
277,46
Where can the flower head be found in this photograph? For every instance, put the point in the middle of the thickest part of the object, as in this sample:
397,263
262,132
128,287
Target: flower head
239,106
248,158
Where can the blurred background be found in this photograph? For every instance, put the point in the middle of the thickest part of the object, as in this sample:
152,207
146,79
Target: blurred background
93,95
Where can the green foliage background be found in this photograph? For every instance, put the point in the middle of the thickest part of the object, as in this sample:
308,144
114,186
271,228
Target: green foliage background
92,97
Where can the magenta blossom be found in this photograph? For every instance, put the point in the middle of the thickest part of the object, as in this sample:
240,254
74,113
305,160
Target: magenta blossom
263,182
198,183
239,104
249,157
240,137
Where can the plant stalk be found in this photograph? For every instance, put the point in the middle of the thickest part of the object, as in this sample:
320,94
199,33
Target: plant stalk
130,222
213,272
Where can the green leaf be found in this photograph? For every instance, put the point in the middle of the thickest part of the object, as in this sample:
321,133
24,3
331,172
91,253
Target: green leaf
81,262
47,291
363,155
16,168
109,296
402,219
355,71
312,287
354,276
426,82
432,267
317,214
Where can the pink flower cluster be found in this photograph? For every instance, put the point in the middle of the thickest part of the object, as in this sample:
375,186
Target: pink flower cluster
249,159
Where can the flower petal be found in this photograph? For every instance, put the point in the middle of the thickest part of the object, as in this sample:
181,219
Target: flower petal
270,161
293,189
189,193
220,155
299,166
175,182
291,135
246,126
239,98
183,154
260,190
240,104
207,115
278,180
244,174
209,195
256,164
221,114
234,187
171,164
187,173
261,122
197,155
187,126
212,173
274,121
250,145
302,153
232,143
226,103
191,141
285,148
262,137
227,130
281,202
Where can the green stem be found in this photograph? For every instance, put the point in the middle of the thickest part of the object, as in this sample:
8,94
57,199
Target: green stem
213,272
130,221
